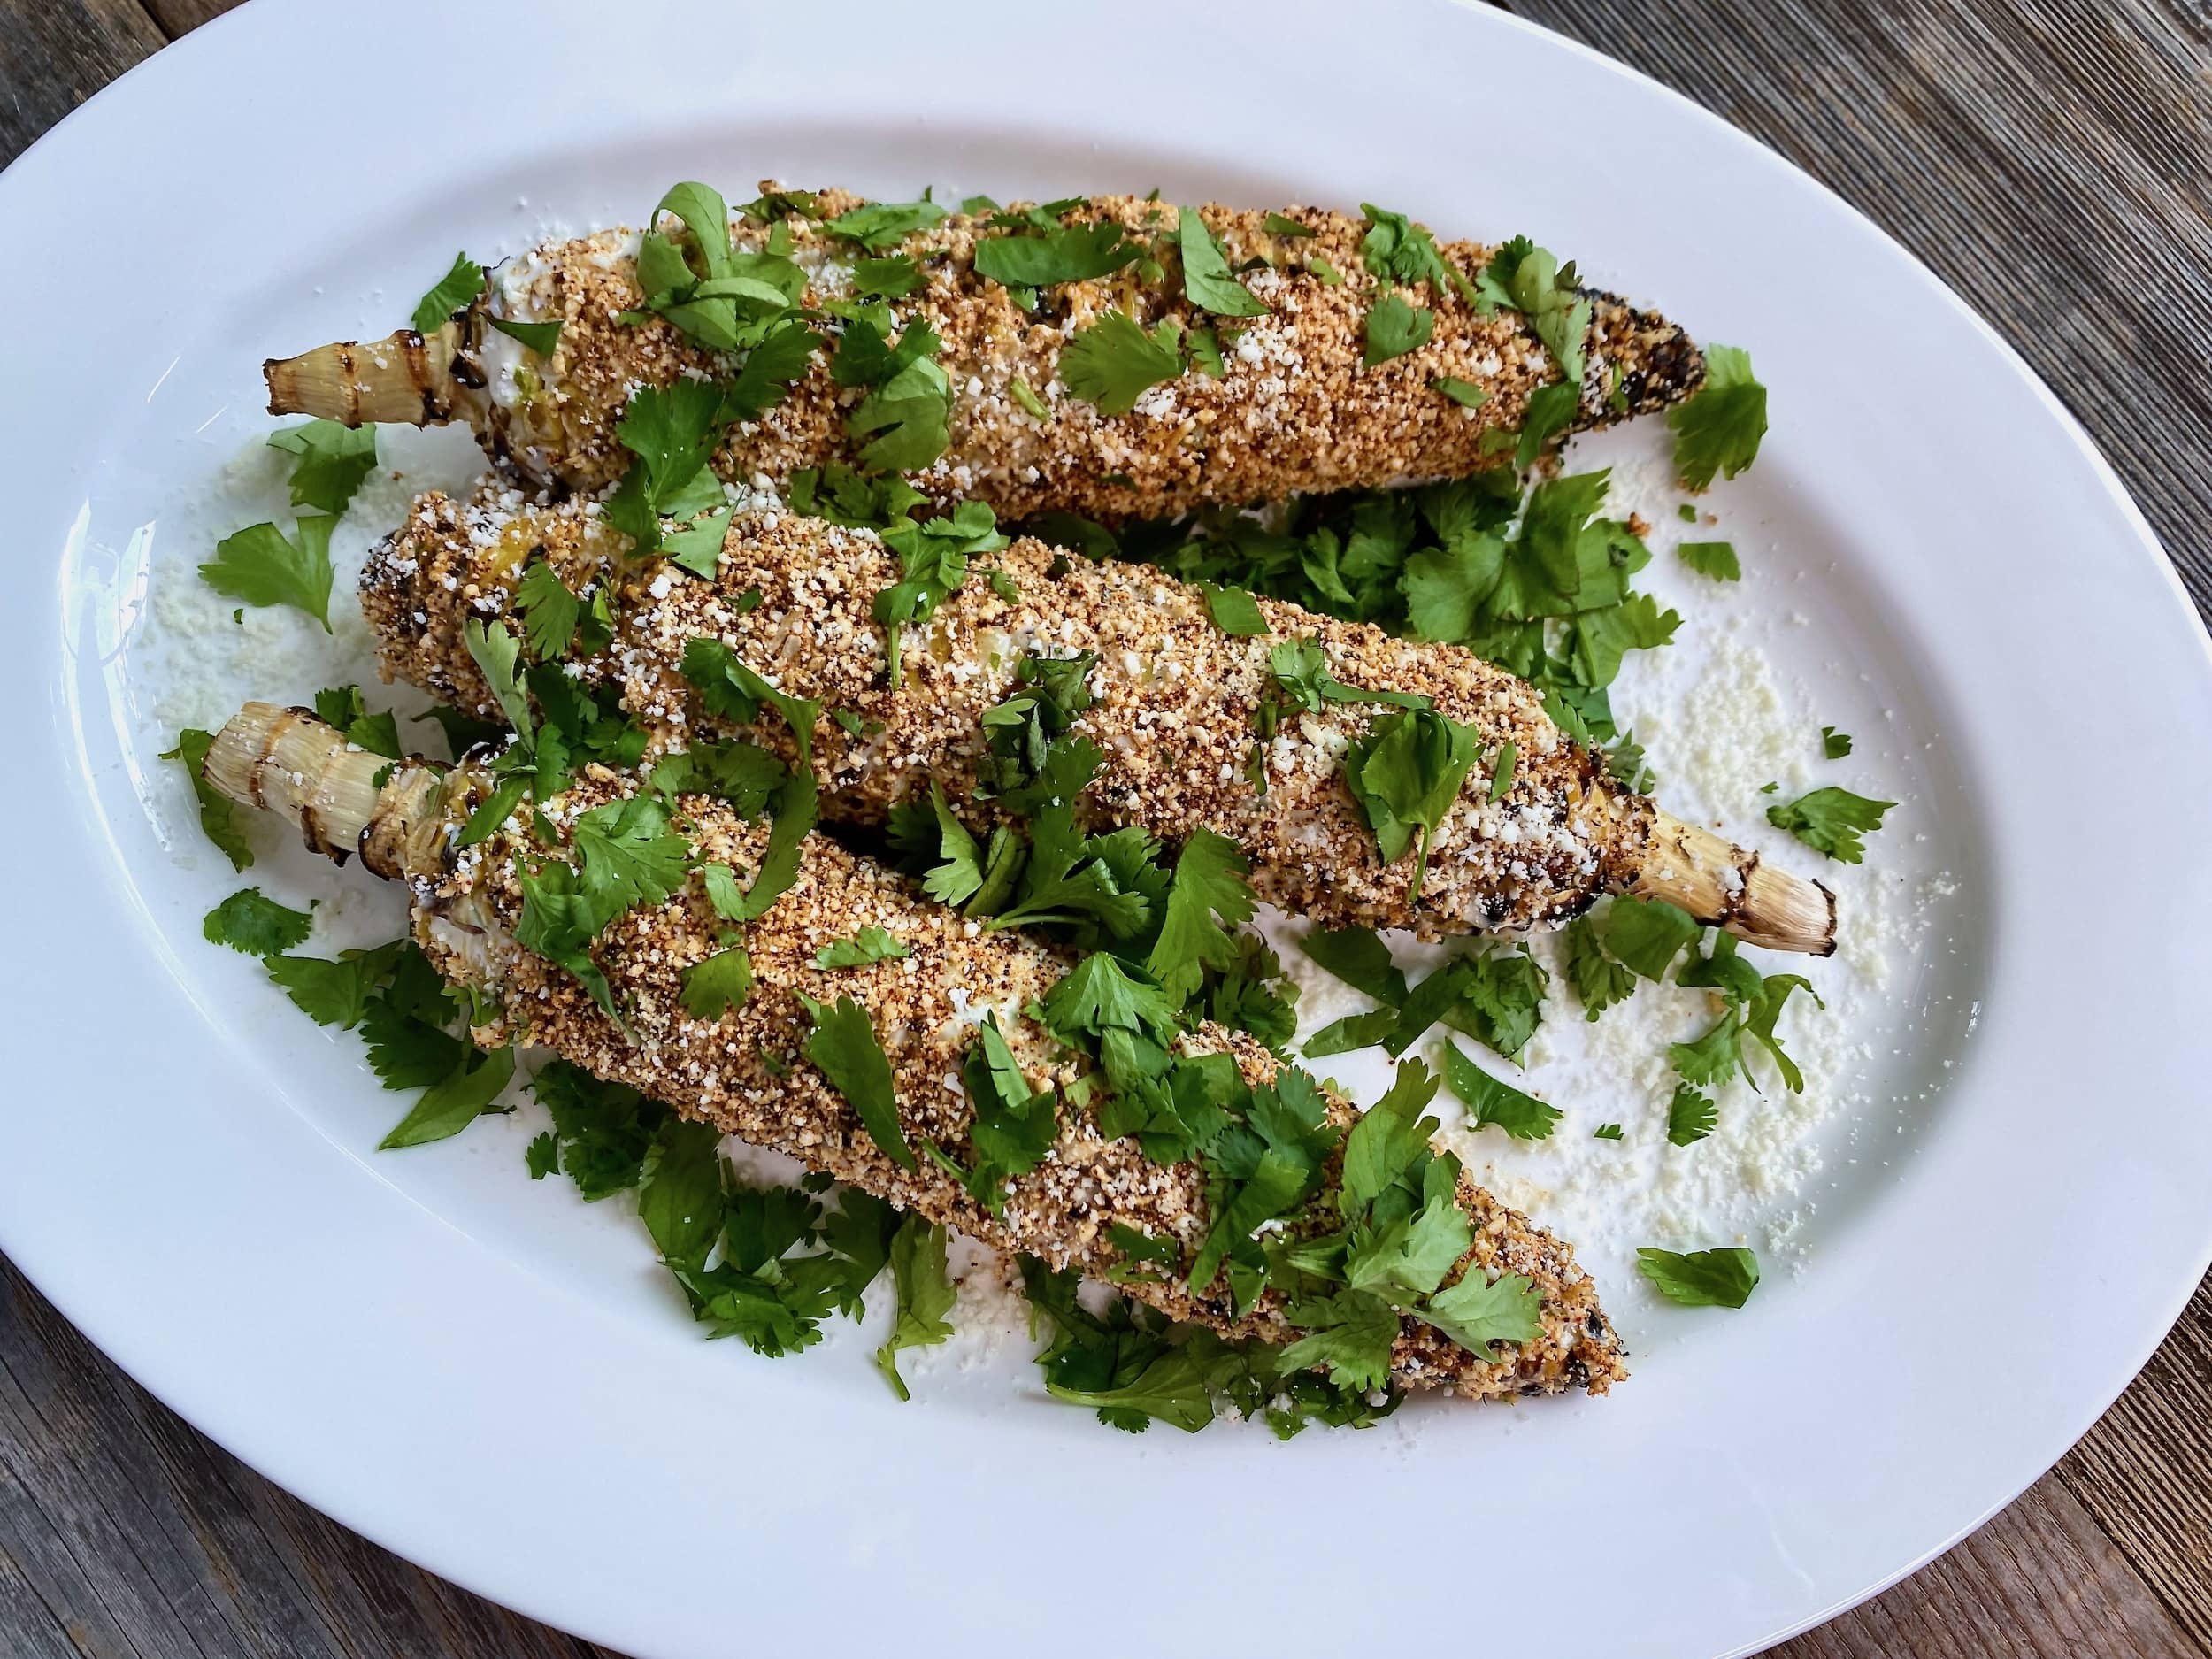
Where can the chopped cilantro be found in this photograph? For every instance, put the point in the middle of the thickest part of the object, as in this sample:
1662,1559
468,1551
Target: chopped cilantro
1832,821
905,421
603,1129
859,500
1014,1126
934,562
1690,1117
258,926
542,1156
1551,410
1715,559
454,1101
1207,279
1394,328
1606,1131
1234,610
1204,346
221,820
925,1295
341,706
1466,394
1600,980
1477,1311
891,278
554,620
844,1048
734,691
1331,277
1717,430
1349,1334
335,993
880,226
1502,771
725,300
1113,362
1276,224
454,289
264,566
1685,512
870,944
1527,279
1043,259
1834,745
1494,1101
1208,890
1406,773
332,461
1397,249
1702,1278
714,985
540,337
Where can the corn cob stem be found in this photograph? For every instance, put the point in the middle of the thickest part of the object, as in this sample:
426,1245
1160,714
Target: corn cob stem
406,379
727,1071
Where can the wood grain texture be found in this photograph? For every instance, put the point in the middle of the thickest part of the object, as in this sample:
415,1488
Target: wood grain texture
2050,162
54,54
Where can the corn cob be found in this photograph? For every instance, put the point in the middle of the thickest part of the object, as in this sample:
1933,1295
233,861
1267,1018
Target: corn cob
1175,705
1293,411
466,903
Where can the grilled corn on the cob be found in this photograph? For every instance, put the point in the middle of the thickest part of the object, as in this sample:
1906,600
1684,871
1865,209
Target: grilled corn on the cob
1294,408
1174,711
725,1071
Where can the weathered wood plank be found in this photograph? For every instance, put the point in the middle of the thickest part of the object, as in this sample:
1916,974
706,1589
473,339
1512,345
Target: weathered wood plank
2048,159
2038,1582
126,1534
181,17
2144,1471
2049,162
54,54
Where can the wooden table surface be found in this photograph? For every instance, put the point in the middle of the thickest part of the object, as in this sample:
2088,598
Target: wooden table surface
2052,162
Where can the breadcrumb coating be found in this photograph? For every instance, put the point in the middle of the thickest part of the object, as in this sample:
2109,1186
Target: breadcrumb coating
1293,411
745,1072
1175,701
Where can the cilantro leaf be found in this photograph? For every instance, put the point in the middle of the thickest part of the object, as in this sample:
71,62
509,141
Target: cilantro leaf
604,1130
857,500
1113,362
1715,559
734,691
540,337
905,419
1358,956
1606,1131
332,461
542,1156
1551,410
714,985
341,706
1394,328
1690,1116
1350,1333
1207,279
1718,429
1278,224
1352,1032
264,566
933,562
924,1296
1527,279
334,993
844,1048
869,944
1466,394
1834,745
258,926
1014,1126
1701,1279
1476,1312
222,820
496,652
549,612
454,289
456,1101
1099,995
1646,935
1234,612
679,1191
1832,821
631,857
1599,979
1396,249
1208,890
1494,1101
1071,253
891,278
878,226
1406,772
